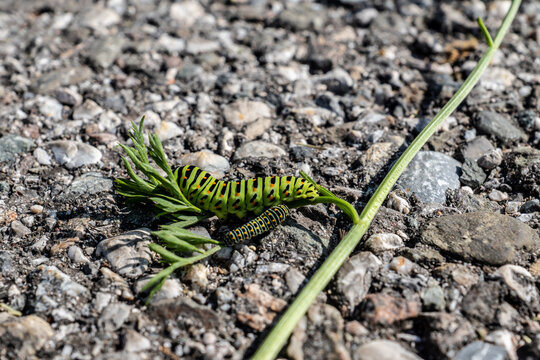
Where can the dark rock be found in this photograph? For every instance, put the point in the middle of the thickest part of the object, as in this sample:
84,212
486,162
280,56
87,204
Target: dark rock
184,308
62,77
483,237
526,120
481,300
530,206
521,170
472,174
10,145
477,147
499,126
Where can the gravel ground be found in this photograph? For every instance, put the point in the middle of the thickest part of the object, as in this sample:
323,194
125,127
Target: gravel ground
449,268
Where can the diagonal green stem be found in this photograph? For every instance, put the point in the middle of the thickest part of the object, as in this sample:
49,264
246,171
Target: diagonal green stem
280,333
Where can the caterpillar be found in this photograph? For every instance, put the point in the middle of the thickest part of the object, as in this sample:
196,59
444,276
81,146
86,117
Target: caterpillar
267,221
241,196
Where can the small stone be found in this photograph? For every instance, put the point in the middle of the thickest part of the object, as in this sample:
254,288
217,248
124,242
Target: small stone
520,281
354,277
50,107
530,206
170,43
10,145
497,125
103,52
168,130
135,342
337,81
433,298
19,229
398,203
265,307
526,119
383,242
482,236
113,316
277,268
258,149
402,265
89,110
74,154
36,209
477,147
384,309
62,77
491,159
68,96
76,254
365,16
197,274
294,279
429,175
481,351
54,287
471,174
186,13
257,128
127,253
215,164
497,79
118,282
42,157
383,350
497,195
89,183
243,112
26,335
199,46
99,18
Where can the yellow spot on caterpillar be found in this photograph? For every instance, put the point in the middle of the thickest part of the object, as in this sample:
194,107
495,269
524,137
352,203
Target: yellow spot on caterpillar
209,192
224,184
271,185
204,178
287,182
254,189
287,193
237,194
185,177
198,186
221,195
238,183
272,198
254,203
214,183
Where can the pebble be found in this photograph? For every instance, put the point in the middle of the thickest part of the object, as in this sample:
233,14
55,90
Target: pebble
365,16
135,342
526,119
481,351
354,277
70,75
505,339
277,268
244,111
74,154
215,164
89,183
383,350
497,195
113,316
294,279
20,229
199,46
520,281
68,96
89,110
497,79
337,81
27,334
384,309
118,282
36,209
491,159
429,175
495,124
171,44
50,107
402,265
472,175
103,52
258,149
433,298
384,242
76,254
477,147
10,145
482,236
530,206
42,157
262,308
186,13
398,203
197,274
99,18
53,285
128,253
168,130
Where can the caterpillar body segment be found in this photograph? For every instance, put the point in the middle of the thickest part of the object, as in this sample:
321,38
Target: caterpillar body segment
267,221
241,196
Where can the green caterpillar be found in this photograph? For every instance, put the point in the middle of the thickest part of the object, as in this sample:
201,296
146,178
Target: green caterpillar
242,196
267,221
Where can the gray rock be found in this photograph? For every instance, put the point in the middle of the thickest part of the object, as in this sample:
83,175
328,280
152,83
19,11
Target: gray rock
74,154
520,281
258,149
68,96
365,16
135,342
477,147
10,145
89,183
491,159
99,17
481,351
7,267
171,289
42,157
76,255
89,110
62,77
354,277
199,46
383,242
294,279
302,17
526,119
27,334
497,79
471,174
19,229
306,242
103,52
530,206
480,236
215,164
50,107
127,253
56,287
337,81
429,175
383,350
113,316
186,13
243,112
171,44
499,126
433,298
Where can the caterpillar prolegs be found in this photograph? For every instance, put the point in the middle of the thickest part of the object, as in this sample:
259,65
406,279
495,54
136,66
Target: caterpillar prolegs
267,221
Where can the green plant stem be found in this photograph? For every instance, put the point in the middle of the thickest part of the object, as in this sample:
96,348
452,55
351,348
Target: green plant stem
280,333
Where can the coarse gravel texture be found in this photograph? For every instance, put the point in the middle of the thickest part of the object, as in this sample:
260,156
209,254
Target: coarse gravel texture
251,88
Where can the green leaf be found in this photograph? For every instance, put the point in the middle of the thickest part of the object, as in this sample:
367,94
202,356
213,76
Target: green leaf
175,242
